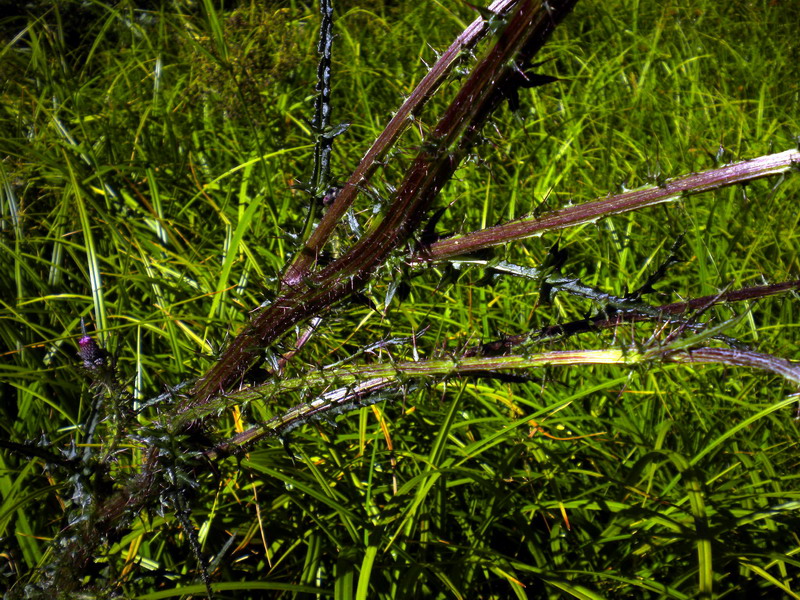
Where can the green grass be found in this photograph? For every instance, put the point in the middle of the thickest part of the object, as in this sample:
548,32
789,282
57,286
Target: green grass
147,173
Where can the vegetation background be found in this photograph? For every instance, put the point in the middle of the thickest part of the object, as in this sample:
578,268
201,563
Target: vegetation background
151,156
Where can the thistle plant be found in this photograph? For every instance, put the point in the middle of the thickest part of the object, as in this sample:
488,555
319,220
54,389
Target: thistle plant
401,380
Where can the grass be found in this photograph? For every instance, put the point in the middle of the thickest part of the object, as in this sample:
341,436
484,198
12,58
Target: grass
150,159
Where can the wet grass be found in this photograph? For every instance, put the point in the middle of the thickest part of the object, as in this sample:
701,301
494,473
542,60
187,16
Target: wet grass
149,159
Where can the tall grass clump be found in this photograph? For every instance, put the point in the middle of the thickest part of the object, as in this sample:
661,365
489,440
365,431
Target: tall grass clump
396,300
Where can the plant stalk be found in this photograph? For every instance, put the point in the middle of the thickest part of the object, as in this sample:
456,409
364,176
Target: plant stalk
696,183
493,79
305,259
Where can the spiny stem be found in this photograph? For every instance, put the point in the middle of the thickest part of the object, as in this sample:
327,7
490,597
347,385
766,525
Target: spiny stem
490,82
305,259
357,383
763,166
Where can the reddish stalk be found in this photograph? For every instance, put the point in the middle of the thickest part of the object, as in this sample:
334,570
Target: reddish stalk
305,259
763,166
492,80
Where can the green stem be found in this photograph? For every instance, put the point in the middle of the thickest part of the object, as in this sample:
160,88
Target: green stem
357,385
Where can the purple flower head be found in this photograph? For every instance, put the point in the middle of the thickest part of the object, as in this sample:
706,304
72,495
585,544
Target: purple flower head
92,355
